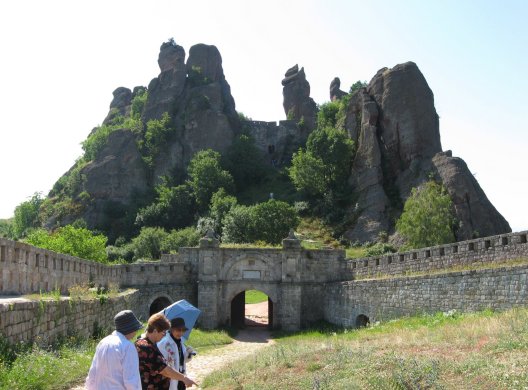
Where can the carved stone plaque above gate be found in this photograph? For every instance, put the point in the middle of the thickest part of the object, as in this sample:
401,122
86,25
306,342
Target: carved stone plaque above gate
250,274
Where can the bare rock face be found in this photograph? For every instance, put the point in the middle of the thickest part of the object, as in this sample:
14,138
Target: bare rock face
165,90
395,127
298,105
335,92
477,216
120,105
114,177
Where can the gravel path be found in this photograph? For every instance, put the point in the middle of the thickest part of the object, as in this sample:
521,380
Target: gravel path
247,342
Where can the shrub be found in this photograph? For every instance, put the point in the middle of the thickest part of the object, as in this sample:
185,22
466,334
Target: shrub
379,249
357,86
308,173
180,238
273,221
238,225
138,103
428,217
79,242
156,136
148,244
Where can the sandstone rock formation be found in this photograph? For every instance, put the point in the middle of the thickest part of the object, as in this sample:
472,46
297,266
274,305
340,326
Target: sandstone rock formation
335,92
298,105
395,127
392,121
202,114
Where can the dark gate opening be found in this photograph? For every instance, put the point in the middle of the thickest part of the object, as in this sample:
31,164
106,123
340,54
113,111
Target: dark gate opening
362,320
251,315
158,305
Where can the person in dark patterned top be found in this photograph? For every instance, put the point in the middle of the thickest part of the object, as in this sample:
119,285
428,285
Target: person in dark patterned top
153,369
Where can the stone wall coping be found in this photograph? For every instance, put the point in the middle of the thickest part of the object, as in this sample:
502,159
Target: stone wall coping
493,271
482,240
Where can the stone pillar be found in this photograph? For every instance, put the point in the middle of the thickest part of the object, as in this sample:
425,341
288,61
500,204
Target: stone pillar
291,283
208,288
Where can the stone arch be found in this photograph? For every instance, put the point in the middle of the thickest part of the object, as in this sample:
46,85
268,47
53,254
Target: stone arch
236,304
158,303
362,320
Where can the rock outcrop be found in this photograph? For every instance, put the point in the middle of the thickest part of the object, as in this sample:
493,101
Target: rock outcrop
298,105
392,121
335,92
396,129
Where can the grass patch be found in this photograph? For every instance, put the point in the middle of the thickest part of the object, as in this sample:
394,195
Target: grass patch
483,350
255,296
206,340
57,367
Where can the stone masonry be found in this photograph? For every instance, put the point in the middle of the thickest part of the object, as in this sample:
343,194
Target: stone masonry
303,285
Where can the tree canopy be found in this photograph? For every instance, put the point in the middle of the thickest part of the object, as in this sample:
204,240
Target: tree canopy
427,217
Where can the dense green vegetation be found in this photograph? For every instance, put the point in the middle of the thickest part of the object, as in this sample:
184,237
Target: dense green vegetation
79,242
440,351
428,217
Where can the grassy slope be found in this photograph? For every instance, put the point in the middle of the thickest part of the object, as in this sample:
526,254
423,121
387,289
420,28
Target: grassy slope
255,296
472,351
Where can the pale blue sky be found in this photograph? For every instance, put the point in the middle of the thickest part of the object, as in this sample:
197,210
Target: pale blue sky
61,60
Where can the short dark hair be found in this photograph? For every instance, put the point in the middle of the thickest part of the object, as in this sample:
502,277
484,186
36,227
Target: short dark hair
157,322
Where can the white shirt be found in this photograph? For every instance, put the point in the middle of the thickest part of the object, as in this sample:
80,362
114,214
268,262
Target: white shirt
169,350
115,365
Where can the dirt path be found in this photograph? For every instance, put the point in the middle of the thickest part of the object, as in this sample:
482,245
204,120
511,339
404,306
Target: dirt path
247,342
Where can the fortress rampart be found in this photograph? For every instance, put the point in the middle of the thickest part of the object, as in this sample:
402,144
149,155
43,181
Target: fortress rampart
303,285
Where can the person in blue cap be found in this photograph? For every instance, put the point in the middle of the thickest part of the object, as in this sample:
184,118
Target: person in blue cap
175,352
115,365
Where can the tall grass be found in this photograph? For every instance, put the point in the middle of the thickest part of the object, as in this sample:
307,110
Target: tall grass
482,350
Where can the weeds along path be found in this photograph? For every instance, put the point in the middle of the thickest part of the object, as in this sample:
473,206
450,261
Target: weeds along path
245,343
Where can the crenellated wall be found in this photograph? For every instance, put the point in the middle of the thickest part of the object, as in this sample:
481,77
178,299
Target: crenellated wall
492,249
303,285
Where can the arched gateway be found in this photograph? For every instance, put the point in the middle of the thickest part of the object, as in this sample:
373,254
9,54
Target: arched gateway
224,273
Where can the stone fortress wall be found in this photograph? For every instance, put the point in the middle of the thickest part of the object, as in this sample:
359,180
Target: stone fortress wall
304,285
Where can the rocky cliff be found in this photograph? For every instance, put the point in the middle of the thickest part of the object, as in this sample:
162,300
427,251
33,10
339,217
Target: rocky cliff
395,126
392,121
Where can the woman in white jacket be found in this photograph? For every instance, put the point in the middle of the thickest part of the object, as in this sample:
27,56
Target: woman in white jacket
174,351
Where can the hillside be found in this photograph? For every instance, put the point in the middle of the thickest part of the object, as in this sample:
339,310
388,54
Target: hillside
151,134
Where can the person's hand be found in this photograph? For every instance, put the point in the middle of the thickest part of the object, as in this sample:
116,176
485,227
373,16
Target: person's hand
190,352
188,382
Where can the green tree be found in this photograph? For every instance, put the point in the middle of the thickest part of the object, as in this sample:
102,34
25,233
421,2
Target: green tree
149,242
326,163
27,215
336,149
176,239
6,228
268,221
245,162
173,208
427,217
308,173
327,115
238,226
357,86
206,176
79,242
273,220
221,204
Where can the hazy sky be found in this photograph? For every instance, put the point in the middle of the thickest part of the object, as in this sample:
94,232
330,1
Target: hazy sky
61,60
